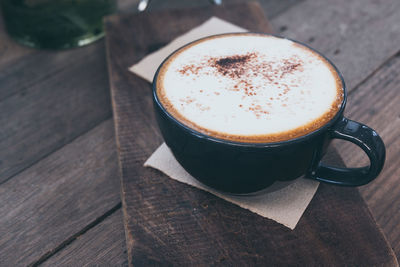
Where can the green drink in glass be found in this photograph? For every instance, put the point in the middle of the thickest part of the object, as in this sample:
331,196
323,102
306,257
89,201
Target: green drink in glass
56,24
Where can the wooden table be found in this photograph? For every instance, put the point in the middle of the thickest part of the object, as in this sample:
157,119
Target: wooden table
59,180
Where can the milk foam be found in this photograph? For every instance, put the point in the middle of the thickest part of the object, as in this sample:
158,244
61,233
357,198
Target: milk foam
249,85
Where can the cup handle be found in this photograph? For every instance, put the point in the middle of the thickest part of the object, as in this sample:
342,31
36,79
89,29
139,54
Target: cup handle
362,136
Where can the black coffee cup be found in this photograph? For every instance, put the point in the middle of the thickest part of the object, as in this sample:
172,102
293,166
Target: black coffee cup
243,168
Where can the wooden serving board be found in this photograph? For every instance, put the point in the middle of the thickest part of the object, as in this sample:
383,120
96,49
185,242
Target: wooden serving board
167,222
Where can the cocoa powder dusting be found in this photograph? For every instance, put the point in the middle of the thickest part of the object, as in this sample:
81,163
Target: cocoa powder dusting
290,66
242,69
187,100
191,68
233,66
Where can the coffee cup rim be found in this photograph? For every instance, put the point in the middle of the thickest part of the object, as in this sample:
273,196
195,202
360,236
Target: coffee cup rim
201,135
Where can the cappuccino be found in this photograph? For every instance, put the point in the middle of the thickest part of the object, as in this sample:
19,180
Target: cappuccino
250,88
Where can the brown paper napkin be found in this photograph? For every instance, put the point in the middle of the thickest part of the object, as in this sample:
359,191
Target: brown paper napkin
285,205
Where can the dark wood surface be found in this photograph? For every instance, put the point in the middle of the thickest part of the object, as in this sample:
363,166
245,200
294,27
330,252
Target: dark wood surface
49,99
382,92
167,222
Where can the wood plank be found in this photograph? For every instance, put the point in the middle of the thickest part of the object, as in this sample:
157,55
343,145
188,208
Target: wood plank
358,36
53,112
102,245
167,222
14,161
21,74
64,92
202,229
376,103
53,200
60,114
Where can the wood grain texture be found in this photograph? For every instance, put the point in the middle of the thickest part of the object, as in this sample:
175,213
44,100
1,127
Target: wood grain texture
58,197
13,51
170,223
48,99
196,228
358,36
20,75
102,245
10,54
69,98
376,103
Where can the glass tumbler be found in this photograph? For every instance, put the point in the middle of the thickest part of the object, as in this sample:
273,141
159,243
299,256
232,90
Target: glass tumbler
56,24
